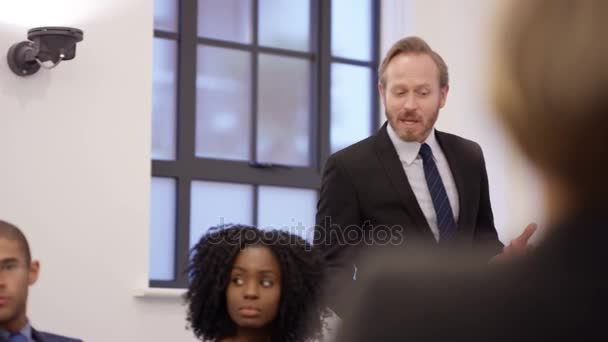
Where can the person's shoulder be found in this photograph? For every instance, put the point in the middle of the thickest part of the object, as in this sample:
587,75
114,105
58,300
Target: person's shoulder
361,147
463,145
50,337
455,139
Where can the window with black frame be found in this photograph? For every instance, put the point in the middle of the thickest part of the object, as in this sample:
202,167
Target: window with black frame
249,99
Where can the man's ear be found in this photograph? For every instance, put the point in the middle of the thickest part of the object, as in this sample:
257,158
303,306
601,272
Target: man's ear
443,95
381,92
33,272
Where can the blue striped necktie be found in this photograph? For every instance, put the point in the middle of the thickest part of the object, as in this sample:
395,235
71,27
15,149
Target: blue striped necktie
443,209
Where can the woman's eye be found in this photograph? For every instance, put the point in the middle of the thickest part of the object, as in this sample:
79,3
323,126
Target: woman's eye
238,281
266,283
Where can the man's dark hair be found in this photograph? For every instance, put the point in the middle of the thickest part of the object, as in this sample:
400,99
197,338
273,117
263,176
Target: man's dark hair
11,232
300,312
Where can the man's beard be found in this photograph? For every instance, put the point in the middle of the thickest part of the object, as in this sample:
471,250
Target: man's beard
411,137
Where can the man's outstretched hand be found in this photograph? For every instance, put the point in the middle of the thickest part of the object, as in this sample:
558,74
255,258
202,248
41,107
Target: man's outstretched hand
517,247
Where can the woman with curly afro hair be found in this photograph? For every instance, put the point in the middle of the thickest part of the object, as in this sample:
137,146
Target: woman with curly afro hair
252,285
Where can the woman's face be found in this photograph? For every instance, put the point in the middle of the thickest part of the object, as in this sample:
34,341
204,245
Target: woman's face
254,291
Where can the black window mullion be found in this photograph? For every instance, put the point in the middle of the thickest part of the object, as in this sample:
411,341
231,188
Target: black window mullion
223,44
324,20
251,47
182,237
343,60
284,52
254,82
166,35
314,110
186,132
375,110
255,205
254,103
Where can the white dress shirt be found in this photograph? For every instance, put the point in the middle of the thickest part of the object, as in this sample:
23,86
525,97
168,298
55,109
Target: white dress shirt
414,170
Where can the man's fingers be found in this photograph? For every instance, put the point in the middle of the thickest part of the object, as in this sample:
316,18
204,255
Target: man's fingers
527,233
517,247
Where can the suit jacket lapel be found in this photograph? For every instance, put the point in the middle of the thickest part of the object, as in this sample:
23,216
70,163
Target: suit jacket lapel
456,160
37,336
392,166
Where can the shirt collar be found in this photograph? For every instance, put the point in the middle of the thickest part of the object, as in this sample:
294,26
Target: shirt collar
25,331
408,150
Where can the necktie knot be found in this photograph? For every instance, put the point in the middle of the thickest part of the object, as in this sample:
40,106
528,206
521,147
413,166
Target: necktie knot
425,151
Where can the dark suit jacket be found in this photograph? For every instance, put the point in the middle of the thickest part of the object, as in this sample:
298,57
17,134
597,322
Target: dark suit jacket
365,196
40,336
558,292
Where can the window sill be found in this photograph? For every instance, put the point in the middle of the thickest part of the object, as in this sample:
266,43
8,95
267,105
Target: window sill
156,292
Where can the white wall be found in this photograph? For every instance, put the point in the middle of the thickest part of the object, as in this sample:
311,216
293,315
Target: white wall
462,32
74,146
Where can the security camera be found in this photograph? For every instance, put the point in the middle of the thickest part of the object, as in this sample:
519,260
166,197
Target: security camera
45,44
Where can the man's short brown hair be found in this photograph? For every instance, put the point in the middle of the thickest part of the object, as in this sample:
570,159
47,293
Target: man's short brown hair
414,45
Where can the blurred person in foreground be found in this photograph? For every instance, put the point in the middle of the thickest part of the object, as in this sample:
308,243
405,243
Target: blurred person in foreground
549,86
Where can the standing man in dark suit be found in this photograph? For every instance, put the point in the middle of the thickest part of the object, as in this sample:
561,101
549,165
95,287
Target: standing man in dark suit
409,182
549,87
17,273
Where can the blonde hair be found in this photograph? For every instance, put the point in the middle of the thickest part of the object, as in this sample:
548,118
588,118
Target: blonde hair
551,88
414,45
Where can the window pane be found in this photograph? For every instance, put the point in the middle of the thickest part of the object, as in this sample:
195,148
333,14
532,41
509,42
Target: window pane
351,92
216,203
162,229
284,111
225,19
351,29
287,209
285,24
164,97
223,103
165,15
